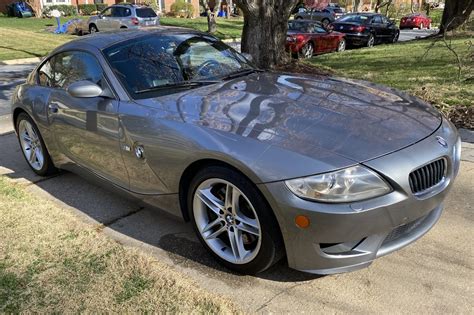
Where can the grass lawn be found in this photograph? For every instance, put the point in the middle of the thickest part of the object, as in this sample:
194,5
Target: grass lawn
433,78
25,38
231,28
51,262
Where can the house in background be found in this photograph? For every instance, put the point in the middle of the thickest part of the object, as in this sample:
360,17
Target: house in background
163,5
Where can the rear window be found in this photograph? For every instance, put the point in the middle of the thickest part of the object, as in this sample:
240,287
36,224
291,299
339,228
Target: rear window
354,19
146,13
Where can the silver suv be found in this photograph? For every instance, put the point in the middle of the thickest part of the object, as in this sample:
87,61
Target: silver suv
325,16
123,16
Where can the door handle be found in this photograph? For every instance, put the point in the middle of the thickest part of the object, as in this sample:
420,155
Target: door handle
53,108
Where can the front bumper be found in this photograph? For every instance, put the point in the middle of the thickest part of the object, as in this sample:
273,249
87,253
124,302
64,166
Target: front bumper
349,236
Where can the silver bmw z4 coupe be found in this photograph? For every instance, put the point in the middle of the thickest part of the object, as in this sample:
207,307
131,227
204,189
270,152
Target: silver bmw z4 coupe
331,173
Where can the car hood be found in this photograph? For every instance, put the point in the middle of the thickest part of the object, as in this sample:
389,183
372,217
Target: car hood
310,116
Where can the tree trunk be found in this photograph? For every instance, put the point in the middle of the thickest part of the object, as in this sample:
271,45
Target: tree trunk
412,4
455,13
265,28
211,21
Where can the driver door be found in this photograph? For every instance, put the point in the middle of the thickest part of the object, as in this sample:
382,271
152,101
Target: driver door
86,130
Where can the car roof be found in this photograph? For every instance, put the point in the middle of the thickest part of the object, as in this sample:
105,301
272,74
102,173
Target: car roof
102,40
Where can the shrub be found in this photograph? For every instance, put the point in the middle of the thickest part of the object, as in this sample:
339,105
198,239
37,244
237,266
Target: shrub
101,6
182,8
66,10
87,9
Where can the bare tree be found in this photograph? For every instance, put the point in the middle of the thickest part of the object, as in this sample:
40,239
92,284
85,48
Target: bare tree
455,13
265,28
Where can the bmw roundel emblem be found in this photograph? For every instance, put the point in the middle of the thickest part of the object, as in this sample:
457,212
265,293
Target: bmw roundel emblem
442,142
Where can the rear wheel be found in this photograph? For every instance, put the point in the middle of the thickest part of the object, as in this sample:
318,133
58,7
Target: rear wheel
232,220
33,147
307,51
428,26
93,29
371,40
342,45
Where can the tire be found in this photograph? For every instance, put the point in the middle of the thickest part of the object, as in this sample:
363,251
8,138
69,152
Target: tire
93,29
259,249
371,41
41,163
428,26
422,26
307,51
325,22
341,46
395,37
298,18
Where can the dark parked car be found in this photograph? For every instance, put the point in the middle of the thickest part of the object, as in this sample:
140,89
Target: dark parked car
332,172
367,29
416,20
307,38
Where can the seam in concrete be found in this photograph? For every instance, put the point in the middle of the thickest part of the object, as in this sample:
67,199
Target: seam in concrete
265,304
113,221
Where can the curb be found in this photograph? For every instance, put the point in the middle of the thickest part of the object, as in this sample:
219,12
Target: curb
20,61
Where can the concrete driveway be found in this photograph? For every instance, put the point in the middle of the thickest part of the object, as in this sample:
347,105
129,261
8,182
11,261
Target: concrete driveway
434,275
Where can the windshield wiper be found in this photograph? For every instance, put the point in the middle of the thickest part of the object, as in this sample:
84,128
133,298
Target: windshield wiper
180,85
240,73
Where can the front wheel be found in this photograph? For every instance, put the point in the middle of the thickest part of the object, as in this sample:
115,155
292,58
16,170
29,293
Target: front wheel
33,147
307,51
395,37
232,220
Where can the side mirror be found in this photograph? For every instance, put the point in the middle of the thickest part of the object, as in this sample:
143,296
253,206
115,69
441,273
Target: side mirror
248,56
100,16
84,89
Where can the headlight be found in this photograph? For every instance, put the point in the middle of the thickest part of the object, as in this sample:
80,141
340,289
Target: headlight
346,185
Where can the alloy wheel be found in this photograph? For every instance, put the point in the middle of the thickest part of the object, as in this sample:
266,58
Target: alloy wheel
371,41
227,221
31,145
342,45
307,51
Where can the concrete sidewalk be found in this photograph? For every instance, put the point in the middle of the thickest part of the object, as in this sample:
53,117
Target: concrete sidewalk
434,275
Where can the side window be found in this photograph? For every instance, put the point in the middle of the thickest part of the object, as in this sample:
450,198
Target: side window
107,12
118,12
319,29
376,19
385,20
69,67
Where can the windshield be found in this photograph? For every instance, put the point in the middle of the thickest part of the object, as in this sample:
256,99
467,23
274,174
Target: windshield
354,18
146,13
303,27
151,63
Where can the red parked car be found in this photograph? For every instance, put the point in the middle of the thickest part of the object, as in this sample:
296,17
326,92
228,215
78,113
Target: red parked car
416,20
306,38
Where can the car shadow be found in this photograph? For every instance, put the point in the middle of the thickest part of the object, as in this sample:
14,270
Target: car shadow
151,226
